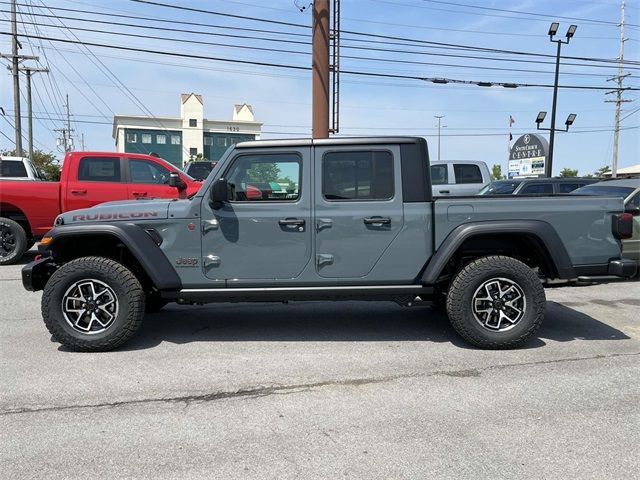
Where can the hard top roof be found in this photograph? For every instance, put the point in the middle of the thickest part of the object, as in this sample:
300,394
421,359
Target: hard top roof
307,142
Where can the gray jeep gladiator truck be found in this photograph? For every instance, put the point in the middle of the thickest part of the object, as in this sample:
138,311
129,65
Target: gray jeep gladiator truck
335,219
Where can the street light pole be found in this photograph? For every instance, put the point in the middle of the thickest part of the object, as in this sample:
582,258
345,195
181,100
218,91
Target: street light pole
439,117
554,103
553,29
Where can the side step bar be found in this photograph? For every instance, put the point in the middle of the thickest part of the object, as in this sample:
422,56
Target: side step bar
278,294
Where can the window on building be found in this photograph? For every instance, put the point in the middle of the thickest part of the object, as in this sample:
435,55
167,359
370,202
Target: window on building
357,175
466,173
208,140
273,177
439,174
193,122
99,169
193,151
175,139
161,139
222,141
132,138
146,138
144,171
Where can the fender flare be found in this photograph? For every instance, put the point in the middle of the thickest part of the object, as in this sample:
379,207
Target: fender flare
141,245
540,230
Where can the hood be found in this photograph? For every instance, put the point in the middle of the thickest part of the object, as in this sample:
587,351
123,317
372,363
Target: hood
121,211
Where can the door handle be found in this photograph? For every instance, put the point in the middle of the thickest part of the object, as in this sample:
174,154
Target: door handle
79,192
445,191
139,194
377,221
291,222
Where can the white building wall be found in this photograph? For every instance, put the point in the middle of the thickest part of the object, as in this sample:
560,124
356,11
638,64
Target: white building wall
192,137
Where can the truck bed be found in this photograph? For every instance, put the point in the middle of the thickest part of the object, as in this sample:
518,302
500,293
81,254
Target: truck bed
42,206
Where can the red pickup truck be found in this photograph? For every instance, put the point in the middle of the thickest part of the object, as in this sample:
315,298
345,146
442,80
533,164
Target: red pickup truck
28,209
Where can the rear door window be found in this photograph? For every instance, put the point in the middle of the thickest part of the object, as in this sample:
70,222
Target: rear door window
439,174
354,175
537,189
568,187
12,168
100,169
466,173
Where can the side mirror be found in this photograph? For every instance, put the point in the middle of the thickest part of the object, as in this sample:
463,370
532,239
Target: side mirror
176,182
219,192
633,210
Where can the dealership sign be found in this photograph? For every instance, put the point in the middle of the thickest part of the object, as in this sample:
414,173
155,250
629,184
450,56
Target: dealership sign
528,156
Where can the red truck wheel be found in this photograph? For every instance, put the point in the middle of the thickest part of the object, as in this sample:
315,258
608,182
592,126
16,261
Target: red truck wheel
13,241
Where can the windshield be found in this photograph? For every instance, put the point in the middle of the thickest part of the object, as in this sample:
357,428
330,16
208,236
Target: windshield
499,188
200,170
604,191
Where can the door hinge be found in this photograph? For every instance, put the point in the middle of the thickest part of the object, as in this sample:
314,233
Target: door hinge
324,259
322,223
211,261
208,225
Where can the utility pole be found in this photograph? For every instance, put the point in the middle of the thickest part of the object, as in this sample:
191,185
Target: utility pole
320,69
618,91
82,141
439,117
28,71
66,141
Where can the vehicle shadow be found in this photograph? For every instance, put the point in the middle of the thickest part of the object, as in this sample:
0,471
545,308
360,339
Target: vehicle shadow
27,257
340,322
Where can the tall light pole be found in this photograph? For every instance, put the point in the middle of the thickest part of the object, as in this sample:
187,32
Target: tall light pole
439,117
320,70
553,29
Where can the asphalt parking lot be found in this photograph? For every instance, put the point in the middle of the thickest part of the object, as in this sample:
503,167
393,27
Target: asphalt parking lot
323,390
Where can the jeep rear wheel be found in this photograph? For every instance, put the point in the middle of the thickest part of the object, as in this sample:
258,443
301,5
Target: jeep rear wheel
13,241
496,302
93,304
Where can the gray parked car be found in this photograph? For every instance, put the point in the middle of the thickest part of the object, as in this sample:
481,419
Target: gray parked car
458,177
535,186
360,222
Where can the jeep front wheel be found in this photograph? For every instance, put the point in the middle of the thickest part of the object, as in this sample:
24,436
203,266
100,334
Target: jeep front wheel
496,302
93,304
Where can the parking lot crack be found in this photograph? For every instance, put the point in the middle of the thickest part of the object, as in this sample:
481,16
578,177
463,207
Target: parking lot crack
265,391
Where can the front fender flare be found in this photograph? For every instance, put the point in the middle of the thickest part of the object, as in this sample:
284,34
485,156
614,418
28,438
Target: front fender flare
141,245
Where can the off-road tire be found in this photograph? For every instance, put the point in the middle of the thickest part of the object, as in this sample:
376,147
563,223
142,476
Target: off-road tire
460,302
14,237
128,291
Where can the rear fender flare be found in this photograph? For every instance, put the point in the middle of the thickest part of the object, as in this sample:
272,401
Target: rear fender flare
540,230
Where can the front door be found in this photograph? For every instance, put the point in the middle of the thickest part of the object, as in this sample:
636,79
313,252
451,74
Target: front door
148,179
264,232
358,209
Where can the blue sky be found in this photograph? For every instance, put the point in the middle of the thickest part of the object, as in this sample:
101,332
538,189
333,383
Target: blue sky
476,117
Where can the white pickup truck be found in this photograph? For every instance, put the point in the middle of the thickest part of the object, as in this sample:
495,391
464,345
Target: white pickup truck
18,168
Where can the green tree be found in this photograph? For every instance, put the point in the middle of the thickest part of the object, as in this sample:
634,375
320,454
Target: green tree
263,172
46,163
601,171
569,172
496,173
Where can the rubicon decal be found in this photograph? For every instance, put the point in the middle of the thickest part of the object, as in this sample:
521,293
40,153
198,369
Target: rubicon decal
112,216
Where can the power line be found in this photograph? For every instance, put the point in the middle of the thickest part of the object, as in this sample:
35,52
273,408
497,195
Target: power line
300,67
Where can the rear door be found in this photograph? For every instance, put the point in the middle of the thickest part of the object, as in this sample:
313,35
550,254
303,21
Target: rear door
468,179
358,208
440,175
98,179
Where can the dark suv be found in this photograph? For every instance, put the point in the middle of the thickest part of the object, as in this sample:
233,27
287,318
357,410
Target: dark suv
535,186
